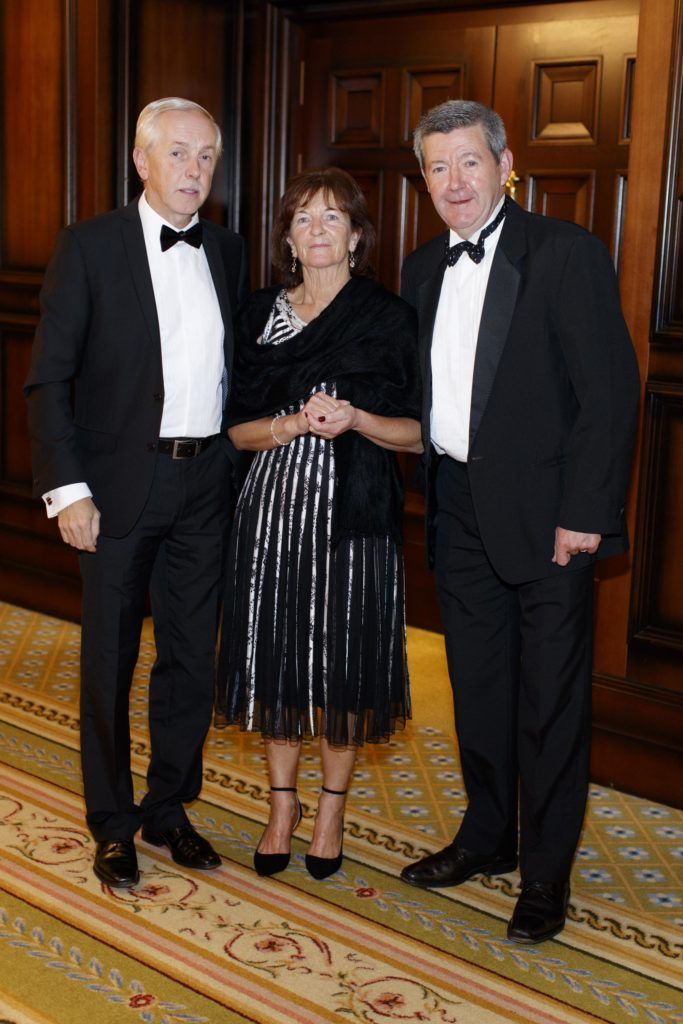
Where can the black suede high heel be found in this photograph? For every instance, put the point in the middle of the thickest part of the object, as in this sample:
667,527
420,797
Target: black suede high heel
270,863
323,867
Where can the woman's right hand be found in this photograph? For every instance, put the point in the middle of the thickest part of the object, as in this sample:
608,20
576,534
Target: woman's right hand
301,421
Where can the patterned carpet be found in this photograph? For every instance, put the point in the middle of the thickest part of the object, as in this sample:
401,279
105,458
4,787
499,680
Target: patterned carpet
228,947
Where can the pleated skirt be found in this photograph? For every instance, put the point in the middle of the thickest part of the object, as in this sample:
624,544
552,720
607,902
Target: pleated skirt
313,637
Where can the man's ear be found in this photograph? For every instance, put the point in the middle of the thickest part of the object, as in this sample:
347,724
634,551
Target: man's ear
506,165
140,161
422,172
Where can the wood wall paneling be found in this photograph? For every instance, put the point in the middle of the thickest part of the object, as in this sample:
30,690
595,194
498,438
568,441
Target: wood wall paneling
189,48
15,455
658,602
33,136
424,88
564,101
559,193
356,108
560,89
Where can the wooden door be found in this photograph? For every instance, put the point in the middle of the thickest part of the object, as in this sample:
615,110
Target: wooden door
563,89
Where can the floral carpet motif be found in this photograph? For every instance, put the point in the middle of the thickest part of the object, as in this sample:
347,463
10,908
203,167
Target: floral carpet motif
227,947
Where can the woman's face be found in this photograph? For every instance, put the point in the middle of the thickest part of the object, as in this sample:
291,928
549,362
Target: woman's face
320,234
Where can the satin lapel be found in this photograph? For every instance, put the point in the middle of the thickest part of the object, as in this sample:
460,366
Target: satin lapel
496,317
429,293
136,253
215,261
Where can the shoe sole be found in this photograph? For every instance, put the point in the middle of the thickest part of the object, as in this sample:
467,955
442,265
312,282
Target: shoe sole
486,869
158,842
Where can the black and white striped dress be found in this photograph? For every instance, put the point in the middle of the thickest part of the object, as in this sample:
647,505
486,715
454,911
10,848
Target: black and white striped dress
313,638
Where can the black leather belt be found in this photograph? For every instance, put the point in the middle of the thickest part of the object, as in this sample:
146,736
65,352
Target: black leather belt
184,447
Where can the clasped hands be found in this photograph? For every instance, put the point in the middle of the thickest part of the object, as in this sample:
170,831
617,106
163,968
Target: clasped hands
328,417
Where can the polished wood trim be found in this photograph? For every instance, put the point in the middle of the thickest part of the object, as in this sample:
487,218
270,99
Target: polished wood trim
636,738
647,163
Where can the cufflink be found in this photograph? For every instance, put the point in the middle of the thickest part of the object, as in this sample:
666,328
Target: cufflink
48,501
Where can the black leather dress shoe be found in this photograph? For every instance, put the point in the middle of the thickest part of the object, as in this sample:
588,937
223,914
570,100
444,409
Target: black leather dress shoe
540,912
454,865
186,845
116,863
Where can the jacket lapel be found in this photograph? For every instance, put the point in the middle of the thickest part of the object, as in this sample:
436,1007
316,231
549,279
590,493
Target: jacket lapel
134,244
428,303
215,261
496,317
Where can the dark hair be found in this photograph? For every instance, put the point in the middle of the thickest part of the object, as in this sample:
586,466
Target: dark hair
460,114
346,192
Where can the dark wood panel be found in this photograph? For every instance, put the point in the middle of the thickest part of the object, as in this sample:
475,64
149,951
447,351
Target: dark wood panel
33,150
658,593
637,733
93,114
423,88
356,108
565,101
15,454
186,48
558,193
560,92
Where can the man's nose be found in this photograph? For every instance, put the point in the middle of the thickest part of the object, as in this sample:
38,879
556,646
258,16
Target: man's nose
454,178
193,170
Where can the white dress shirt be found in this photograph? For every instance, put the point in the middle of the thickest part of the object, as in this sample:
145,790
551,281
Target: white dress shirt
454,345
191,330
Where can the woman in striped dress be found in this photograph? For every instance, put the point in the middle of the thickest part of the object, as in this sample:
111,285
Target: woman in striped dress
325,391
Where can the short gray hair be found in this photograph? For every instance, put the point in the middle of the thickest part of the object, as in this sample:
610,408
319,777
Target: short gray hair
146,131
460,114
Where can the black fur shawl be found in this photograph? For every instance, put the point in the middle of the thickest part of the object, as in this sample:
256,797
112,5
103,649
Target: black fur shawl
366,342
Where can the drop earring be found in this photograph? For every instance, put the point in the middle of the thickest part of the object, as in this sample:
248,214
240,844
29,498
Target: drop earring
352,259
293,266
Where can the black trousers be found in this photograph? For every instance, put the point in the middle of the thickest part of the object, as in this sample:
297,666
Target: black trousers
519,659
175,553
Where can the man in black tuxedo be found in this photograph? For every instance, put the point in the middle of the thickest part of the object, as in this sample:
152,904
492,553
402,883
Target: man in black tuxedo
137,310
530,399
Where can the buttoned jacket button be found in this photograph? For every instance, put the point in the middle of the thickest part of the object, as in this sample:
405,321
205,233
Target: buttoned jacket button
151,446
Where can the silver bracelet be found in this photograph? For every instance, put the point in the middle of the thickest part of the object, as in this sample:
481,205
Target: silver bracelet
276,440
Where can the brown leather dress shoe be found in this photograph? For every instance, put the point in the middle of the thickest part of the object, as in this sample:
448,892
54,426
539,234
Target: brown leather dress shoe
540,912
116,863
186,845
453,865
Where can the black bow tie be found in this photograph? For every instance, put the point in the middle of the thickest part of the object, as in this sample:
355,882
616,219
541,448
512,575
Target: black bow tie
169,237
475,251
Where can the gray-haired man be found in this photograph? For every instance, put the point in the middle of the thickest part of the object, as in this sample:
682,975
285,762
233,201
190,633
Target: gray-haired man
530,397
137,312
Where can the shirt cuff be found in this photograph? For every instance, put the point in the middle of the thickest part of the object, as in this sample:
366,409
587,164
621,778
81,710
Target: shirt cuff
60,497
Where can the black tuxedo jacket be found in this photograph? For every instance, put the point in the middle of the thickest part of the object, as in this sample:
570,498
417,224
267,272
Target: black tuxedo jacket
99,333
554,395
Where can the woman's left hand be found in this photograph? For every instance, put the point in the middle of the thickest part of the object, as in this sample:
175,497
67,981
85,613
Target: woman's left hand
329,417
